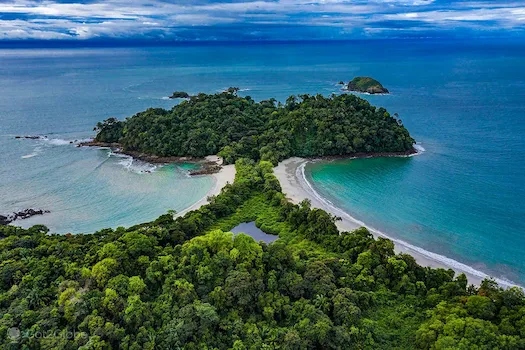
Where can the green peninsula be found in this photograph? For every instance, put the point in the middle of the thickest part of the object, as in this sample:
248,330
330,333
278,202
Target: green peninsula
366,85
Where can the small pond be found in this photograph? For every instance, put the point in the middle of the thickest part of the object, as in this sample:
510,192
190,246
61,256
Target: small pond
256,233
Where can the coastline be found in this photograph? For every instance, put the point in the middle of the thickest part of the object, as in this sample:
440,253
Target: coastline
290,174
411,152
148,158
224,176
212,165
209,165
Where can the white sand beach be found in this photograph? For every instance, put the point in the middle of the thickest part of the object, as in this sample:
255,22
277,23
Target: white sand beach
296,188
224,176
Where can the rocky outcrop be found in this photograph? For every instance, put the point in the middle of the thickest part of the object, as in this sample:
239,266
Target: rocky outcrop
21,215
180,94
94,143
207,169
366,85
31,137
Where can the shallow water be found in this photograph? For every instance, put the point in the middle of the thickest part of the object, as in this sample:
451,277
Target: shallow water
89,189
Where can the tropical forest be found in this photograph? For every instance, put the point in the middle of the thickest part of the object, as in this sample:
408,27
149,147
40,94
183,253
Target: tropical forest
187,282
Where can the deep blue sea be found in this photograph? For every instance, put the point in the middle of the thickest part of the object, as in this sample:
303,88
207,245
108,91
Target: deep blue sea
464,102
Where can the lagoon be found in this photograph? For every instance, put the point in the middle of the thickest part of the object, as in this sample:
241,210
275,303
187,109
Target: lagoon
253,231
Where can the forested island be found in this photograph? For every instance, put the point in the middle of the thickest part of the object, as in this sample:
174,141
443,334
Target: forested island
239,127
187,283
366,85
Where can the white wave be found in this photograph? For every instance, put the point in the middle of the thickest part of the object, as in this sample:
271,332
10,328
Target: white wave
419,148
63,142
133,165
36,151
29,155
165,98
441,259
226,90
116,154
59,142
137,167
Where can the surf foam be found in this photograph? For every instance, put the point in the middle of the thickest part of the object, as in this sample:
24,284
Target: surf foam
419,148
36,151
133,165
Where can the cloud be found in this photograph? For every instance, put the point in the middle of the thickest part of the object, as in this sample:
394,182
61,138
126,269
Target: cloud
266,19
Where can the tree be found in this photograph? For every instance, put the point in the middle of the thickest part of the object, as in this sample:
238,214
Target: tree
103,270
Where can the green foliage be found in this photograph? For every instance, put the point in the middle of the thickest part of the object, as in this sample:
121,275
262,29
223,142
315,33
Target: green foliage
188,283
110,130
237,127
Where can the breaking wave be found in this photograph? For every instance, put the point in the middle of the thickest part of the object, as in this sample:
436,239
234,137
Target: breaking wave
133,165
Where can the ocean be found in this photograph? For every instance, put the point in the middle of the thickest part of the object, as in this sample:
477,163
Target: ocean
463,101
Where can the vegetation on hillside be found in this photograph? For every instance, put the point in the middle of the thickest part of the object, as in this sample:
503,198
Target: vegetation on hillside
237,127
188,283
109,130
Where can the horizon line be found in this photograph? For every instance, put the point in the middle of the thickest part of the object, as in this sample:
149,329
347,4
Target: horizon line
118,42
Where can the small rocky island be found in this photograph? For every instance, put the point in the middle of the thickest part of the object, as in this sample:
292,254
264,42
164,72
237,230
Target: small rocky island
180,94
366,85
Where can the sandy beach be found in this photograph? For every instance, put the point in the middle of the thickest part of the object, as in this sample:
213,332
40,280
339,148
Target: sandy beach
220,179
296,188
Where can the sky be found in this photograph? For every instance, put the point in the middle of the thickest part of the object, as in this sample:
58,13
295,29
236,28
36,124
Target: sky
204,20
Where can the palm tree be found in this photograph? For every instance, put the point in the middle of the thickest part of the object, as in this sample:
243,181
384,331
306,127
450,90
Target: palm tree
322,303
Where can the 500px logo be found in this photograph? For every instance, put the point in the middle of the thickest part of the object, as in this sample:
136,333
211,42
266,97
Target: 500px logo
15,335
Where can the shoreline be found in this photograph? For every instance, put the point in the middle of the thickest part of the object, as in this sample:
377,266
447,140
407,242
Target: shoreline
212,165
224,176
290,174
209,165
363,155
148,158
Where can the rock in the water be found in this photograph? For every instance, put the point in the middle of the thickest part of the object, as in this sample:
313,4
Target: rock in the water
31,137
180,94
207,169
21,215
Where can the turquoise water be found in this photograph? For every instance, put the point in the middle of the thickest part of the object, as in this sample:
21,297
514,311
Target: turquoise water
463,101
62,94
89,189
464,196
